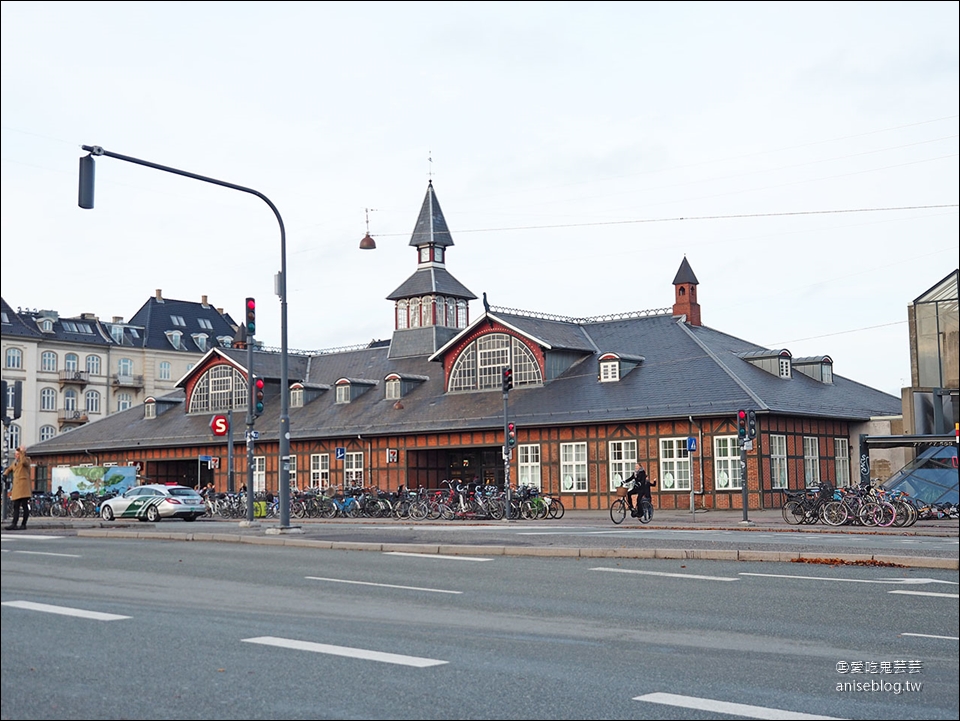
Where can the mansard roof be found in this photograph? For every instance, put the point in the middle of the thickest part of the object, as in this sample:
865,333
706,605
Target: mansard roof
156,318
14,325
431,281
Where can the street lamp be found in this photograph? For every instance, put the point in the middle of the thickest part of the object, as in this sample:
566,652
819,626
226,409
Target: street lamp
85,200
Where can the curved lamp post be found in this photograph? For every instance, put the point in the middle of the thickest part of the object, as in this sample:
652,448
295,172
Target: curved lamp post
87,178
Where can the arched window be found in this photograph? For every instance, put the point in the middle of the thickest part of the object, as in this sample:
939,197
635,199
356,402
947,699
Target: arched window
221,388
414,312
93,365
480,365
92,400
13,358
47,432
402,310
426,310
461,314
70,400
48,361
14,435
71,362
48,399
124,401
125,367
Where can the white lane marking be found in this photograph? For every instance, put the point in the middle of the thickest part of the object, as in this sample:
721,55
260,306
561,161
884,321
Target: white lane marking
930,635
345,651
734,709
29,537
434,555
47,553
380,585
897,581
927,593
64,610
669,575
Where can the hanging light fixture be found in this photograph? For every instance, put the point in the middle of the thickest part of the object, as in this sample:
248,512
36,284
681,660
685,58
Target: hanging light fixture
367,242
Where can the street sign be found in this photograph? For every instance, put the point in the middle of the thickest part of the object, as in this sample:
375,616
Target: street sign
253,435
341,453
748,445
204,459
219,425
692,444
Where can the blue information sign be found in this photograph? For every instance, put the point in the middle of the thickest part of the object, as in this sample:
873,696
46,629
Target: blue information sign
341,453
692,444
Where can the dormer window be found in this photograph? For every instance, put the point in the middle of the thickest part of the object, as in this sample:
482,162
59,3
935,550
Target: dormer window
785,367
46,325
116,332
609,371
201,340
343,393
176,339
178,320
296,396
827,372
150,408
393,388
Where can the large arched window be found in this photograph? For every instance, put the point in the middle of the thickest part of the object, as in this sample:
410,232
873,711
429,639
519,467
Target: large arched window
480,365
48,399
402,310
221,388
13,359
93,365
71,362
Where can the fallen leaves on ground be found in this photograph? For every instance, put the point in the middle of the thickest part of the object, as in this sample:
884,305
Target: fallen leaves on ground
843,562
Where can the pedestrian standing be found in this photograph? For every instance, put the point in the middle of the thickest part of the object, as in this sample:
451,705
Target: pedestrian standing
20,493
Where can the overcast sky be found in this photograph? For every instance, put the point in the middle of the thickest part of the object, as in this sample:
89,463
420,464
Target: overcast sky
802,156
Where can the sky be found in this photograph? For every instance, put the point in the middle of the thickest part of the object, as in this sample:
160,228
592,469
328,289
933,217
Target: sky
801,156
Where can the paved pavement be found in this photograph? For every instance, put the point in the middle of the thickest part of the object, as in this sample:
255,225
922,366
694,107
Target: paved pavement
577,534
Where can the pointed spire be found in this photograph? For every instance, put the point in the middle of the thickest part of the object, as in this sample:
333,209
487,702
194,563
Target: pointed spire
431,227
685,274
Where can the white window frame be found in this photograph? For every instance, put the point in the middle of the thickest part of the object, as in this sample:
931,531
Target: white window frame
14,434
573,468
353,469
623,457
91,401
320,470
13,359
124,401
92,362
71,362
259,474
48,400
293,472
811,460
841,461
47,432
726,463
343,393
528,465
70,400
779,468
674,465
296,397
48,361
164,371
784,366
150,409
392,389
609,371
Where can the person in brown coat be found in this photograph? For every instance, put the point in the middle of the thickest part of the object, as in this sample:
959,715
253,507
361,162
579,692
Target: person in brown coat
20,493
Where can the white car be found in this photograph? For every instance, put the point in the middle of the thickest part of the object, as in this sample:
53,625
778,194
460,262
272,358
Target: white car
153,503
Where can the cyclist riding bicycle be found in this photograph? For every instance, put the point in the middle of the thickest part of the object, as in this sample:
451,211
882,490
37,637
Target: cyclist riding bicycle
638,485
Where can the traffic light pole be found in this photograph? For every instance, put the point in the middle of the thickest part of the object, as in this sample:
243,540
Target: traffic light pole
85,200
249,434
743,479
507,453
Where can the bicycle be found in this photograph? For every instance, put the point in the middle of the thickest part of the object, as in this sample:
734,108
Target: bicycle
618,510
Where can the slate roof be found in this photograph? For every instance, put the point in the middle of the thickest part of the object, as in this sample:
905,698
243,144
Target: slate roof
687,370
14,325
431,227
155,317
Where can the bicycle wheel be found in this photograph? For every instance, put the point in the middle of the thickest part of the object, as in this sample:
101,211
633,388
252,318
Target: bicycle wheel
556,508
833,513
618,511
869,513
419,510
646,511
793,513
886,514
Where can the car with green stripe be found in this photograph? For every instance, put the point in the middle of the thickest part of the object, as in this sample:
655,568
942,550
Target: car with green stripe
154,502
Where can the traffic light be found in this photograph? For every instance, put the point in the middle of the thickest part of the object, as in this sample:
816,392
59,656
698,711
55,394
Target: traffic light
511,435
4,394
742,425
507,379
751,424
257,396
251,317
